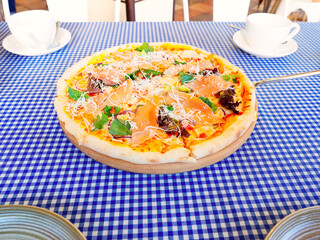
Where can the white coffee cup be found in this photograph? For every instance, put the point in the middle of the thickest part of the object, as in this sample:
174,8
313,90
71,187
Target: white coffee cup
265,32
34,29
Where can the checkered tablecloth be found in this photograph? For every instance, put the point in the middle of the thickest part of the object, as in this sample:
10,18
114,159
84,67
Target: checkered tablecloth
276,172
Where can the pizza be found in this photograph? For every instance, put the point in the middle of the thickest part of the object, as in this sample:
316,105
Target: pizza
154,103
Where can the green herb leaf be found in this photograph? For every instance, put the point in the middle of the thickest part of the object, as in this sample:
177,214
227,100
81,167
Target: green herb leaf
177,62
75,94
226,77
185,77
149,73
100,65
119,128
209,103
108,110
132,76
145,47
170,107
234,78
100,121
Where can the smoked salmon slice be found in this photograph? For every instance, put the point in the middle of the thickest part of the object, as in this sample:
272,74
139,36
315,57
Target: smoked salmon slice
209,86
145,121
115,97
191,108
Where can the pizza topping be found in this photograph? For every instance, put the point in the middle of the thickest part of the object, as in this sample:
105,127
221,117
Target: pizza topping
188,106
170,125
209,71
177,62
111,97
154,94
209,103
145,121
226,99
145,48
111,111
76,95
185,77
120,127
209,85
229,77
110,74
100,121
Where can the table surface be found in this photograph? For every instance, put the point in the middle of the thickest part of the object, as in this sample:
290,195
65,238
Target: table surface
276,172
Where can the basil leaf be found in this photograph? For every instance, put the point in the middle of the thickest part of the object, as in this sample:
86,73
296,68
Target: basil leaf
145,47
170,107
149,73
119,128
75,94
177,62
111,110
100,121
185,77
209,103
226,77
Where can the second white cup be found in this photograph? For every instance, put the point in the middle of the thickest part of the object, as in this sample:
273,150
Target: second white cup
34,29
265,32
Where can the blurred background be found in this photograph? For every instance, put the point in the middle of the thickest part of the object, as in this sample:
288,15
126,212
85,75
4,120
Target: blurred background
199,10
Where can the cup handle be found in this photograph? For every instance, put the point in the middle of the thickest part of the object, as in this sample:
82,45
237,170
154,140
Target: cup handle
296,29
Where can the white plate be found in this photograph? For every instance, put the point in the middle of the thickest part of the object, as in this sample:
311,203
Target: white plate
27,222
303,224
286,49
13,46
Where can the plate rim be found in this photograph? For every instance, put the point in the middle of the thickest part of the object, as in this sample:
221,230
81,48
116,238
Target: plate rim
259,54
37,53
43,210
276,227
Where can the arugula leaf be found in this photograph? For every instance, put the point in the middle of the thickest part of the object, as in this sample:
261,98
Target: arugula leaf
149,73
100,121
75,94
111,110
209,103
132,76
185,77
177,62
145,47
119,128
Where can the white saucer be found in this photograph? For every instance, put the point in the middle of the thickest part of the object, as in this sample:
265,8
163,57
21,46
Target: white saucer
13,46
286,49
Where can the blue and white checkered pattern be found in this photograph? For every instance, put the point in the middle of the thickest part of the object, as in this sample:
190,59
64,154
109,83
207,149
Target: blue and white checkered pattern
276,172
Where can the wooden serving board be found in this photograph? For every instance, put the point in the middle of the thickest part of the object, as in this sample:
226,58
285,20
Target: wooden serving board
164,168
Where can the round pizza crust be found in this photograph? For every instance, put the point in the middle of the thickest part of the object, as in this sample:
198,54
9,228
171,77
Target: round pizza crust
173,161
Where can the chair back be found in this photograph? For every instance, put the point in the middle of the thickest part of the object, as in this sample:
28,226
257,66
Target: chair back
82,10
230,10
151,10
6,9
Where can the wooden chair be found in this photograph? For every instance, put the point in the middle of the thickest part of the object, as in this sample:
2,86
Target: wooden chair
148,10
